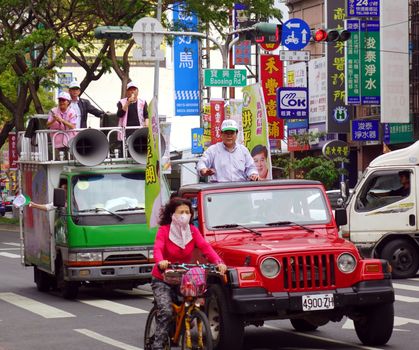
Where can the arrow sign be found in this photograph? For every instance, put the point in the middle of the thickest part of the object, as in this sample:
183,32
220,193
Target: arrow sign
295,34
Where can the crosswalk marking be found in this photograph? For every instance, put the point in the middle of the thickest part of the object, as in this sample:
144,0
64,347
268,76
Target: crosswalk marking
34,306
11,243
405,287
111,306
106,340
9,249
406,299
10,255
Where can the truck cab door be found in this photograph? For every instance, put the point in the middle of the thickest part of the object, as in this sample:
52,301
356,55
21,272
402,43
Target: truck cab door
380,205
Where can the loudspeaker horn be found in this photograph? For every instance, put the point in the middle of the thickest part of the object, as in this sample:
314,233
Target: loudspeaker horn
90,147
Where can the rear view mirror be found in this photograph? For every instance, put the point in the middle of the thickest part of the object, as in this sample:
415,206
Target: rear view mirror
59,197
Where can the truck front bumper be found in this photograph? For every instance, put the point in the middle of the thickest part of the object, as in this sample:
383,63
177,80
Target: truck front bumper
261,304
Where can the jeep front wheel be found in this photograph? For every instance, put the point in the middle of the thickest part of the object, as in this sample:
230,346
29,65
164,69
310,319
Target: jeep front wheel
227,329
375,325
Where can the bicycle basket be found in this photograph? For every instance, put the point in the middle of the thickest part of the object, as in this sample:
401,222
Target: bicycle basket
194,282
172,277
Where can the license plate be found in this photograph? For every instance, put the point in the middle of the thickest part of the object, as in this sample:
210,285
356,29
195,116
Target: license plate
318,302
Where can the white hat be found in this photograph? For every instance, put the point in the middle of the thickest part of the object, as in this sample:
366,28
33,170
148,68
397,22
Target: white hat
74,84
64,95
132,84
229,124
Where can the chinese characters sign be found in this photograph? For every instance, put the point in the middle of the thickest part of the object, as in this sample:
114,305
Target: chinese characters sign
217,117
271,76
364,8
197,142
317,90
365,130
186,64
242,49
398,133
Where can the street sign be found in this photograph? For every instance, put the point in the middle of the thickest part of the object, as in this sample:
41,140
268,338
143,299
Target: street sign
363,8
365,130
149,42
225,77
295,34
285,55
292,103
335,149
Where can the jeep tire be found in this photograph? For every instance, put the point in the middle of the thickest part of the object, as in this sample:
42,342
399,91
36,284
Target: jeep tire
375,325
227,328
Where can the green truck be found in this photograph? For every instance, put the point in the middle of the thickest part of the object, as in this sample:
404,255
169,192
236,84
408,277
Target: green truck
95,230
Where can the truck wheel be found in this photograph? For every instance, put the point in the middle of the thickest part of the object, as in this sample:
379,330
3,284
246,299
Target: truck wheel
227,329
403,258
301,325
375,326
42,280
68,290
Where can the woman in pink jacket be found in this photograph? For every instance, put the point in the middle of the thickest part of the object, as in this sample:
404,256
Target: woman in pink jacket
175,243
62,118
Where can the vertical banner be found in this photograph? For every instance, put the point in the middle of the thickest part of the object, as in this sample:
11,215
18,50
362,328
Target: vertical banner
353,62
317,90
271,77
166,165
394,61
337,113
186,63
206,122
217,117
236,107
153,198
13,156
196,141
255,129
242,49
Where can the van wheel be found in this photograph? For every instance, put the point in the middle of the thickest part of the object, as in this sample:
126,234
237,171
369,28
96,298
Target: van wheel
68,290
227,329
375,325
301,325
42,279
403,257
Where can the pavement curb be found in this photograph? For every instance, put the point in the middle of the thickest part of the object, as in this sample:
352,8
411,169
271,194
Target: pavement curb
9,227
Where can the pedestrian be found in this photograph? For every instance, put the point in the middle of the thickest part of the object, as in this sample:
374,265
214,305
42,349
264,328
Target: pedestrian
175,242
62,118
260,156
226,160
132,111
81,106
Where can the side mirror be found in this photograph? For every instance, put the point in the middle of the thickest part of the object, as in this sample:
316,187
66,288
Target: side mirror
340,216
344,190
59,197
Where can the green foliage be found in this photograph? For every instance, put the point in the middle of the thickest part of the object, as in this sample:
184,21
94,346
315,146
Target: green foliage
317,168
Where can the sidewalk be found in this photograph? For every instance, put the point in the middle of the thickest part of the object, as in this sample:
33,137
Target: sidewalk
9,227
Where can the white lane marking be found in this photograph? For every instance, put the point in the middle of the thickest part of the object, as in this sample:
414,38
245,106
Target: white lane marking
398,321
9,249
106,340
406,299
405,287
413,279
34,306
111,306
11,243
135,291
311,336
10,255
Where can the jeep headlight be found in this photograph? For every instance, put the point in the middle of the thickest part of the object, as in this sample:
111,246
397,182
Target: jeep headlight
346,263
270,267
85,257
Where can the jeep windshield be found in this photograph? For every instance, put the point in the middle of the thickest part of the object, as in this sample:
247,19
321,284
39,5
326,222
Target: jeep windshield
257,208
100,195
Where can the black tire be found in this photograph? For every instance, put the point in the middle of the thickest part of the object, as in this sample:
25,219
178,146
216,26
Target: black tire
301,325
150,328
375,326
227,329
403,257
3,213
198,317
68,290
42,280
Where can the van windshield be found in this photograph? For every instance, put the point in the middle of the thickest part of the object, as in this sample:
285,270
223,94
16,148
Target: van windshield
113,192
258,208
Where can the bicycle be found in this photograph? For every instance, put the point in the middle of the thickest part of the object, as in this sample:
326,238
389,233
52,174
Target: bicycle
190,327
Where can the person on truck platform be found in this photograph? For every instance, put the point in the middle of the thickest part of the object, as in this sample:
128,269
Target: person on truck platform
226,160
176,241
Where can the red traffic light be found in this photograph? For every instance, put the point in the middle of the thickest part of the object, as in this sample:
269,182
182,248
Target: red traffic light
330,35
320,35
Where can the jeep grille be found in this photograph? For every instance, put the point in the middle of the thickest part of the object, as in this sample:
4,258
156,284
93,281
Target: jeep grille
309,271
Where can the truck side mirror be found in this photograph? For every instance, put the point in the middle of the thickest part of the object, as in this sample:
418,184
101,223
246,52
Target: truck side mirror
59,197
340,216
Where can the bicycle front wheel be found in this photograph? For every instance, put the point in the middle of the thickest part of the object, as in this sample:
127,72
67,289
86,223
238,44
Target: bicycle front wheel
150,329
199,336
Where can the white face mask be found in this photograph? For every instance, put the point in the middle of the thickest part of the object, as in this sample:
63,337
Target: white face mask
181,219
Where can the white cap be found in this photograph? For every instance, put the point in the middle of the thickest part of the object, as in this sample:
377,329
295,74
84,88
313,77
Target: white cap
229,124
64,95
132,84
74,84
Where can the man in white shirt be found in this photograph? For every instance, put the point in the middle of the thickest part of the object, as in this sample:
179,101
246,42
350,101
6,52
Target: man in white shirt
226,160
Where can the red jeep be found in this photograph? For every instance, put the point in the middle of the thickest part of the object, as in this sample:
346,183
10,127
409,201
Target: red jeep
286,261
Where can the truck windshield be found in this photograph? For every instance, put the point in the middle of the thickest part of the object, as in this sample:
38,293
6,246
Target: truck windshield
302,206
113,192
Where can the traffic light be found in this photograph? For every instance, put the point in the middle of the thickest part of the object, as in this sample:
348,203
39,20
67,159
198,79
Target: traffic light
263,32
330,35
113,32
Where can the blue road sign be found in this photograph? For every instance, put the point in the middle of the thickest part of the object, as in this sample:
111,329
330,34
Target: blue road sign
295,34
292,102
363,8
365,130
